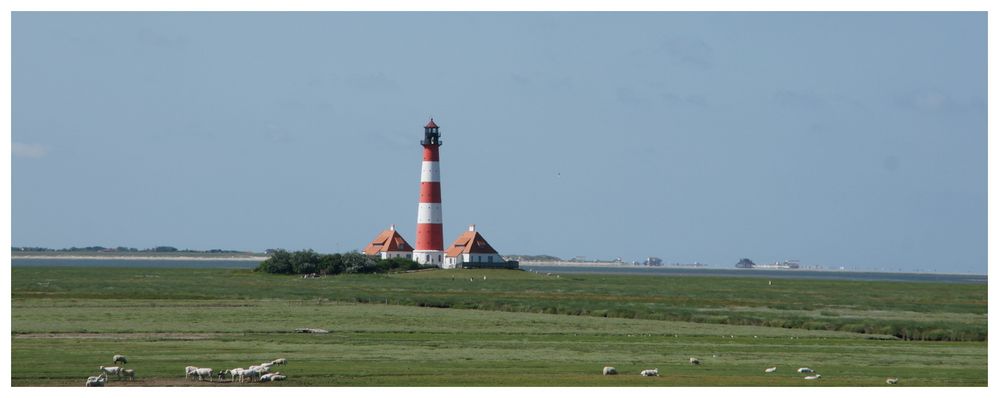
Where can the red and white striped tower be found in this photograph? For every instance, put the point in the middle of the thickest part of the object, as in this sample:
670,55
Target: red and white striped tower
429,222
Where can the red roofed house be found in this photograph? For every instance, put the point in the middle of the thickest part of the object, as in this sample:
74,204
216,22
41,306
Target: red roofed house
472,250
389,244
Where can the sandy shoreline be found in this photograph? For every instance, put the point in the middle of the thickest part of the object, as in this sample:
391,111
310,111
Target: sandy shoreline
604,264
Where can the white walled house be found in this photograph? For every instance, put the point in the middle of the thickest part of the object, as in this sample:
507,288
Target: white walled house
389,244
472,250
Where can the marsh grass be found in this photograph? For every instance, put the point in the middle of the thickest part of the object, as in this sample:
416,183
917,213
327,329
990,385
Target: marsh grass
511,329
911,311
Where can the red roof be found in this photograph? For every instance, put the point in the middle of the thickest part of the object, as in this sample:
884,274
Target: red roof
431,125
388,241
470,242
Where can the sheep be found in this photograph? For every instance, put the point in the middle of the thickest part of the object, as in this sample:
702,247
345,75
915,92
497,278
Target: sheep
609,370
650,372
248,373
96,381
813,377
269,377
202,373
262,368
695,361
280,361
129,374
119,358
115,370
805,370
189,371
893,380
278,377
770,370
233,373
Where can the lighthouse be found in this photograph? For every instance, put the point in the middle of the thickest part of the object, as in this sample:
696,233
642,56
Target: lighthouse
429,221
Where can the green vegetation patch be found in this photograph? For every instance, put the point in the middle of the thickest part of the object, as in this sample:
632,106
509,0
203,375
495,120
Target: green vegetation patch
911,311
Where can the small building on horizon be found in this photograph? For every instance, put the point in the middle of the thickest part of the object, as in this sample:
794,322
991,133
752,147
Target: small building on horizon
471,250
389,244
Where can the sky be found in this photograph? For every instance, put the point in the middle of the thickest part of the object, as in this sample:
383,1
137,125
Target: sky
840,139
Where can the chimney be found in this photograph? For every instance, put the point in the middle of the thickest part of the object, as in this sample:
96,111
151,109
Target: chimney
471,228
392,227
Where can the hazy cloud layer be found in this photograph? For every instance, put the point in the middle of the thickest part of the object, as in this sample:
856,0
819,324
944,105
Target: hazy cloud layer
28,150
689,51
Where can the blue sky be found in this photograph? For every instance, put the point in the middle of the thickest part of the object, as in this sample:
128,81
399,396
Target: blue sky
841,139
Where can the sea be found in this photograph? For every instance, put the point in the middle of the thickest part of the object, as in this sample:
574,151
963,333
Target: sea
541,268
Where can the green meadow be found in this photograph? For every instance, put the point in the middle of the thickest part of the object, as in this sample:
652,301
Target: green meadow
493,328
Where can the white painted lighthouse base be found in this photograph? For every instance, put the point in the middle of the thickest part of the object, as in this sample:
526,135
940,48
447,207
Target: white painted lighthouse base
432,257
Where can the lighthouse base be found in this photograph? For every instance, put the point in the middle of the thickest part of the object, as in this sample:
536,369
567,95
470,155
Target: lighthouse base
431,257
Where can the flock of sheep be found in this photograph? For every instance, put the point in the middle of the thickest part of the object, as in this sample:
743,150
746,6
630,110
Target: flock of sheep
121,372
262,373
259,373
610,370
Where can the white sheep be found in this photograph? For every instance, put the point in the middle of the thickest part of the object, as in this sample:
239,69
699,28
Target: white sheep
232,374
96,381
805,370
203,373
770,370
278,377
695,361
248,374
189,371
650,372
269,377
893,380
119,358
114,370
280,361
129,374
262,368
609,370
813,377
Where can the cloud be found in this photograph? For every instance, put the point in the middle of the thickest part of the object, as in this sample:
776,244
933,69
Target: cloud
690,100
938,101
802,99
689,51
632,98
521,79
926,100
28,150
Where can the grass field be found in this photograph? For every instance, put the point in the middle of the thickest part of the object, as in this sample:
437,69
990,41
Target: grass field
510,329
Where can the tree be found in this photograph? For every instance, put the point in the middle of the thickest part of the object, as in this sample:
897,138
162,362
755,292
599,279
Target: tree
278,263
357,263
304,262
331,264
745,263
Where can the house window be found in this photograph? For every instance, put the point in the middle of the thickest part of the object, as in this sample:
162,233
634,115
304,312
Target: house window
490,258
